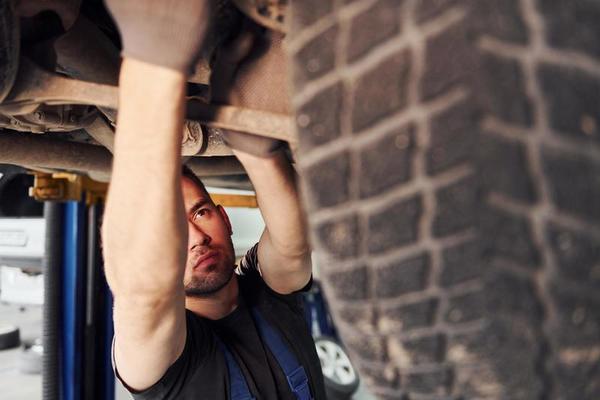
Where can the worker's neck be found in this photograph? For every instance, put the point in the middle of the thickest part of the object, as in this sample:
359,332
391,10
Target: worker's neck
217,305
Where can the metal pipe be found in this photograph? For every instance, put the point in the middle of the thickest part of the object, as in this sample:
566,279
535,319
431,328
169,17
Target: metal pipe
35,151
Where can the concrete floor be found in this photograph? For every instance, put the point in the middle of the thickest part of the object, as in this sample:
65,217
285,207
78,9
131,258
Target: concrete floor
15,385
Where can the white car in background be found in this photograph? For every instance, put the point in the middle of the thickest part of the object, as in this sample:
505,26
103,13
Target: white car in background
22,231
21,255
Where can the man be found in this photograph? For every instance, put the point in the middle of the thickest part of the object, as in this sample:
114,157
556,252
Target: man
183,320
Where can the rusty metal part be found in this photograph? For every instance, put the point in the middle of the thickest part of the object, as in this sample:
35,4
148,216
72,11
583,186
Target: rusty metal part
35,86
102,132
40,152
9,47
193,138
67,10
85,52
60,118
214,144
67,187
192,142
268,13
261,123
201,72
225,19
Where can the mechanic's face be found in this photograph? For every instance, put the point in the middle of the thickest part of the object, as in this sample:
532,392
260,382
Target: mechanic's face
210,255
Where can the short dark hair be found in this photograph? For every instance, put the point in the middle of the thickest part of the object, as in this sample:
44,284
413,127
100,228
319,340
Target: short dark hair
186,172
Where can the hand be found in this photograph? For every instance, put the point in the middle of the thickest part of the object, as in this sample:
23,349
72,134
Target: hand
251,72
162,32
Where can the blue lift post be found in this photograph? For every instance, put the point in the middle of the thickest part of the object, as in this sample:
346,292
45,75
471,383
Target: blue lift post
77,326
86,359
85,314
73,300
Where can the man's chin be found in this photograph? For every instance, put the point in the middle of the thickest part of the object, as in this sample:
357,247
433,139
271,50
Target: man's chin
198,288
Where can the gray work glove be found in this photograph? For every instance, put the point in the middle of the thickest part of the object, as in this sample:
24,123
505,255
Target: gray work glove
251,72
162,32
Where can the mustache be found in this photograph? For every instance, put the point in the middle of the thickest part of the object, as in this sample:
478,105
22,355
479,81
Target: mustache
200,248
199,251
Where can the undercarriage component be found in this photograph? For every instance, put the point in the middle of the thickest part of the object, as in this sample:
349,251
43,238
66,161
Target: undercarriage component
84,52
102,132
9,48
35,86
35,151
39,152
261,123
67,10
59,118
193,138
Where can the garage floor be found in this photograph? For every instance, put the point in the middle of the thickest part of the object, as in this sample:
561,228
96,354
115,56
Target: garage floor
15,385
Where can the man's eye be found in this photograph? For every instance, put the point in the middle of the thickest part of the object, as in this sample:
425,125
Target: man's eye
202,212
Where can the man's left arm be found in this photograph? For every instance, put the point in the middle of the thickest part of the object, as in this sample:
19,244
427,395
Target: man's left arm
283,249
243,79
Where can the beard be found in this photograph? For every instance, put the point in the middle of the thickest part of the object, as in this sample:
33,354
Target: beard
211,282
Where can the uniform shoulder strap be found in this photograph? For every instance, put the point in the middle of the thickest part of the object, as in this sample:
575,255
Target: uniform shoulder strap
238,388
294,372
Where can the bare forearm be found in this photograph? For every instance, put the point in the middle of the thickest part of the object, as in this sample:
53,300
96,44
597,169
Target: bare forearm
144,226
274,180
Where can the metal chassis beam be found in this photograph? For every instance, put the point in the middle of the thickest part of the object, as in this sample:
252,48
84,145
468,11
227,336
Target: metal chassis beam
35,85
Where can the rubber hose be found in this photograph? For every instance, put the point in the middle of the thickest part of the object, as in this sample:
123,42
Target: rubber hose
53,213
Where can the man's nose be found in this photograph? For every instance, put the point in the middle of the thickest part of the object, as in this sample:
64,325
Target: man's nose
197,237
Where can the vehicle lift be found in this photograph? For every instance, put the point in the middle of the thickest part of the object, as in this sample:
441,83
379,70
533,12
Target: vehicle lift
77,317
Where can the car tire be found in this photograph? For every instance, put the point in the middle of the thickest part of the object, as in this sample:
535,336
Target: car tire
341,378
10,337
450,154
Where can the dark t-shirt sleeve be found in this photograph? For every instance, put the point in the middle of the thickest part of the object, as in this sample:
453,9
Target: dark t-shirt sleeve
198,343
249,267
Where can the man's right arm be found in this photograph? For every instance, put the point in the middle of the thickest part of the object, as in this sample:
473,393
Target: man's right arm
145,229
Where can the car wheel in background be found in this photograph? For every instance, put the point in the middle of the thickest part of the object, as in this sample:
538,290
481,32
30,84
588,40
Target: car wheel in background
341,379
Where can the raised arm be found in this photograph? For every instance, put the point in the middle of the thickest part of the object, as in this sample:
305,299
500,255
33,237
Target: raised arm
260,83
145,231
283,249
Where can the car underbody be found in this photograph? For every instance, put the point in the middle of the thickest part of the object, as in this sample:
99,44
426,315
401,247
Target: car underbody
59,95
